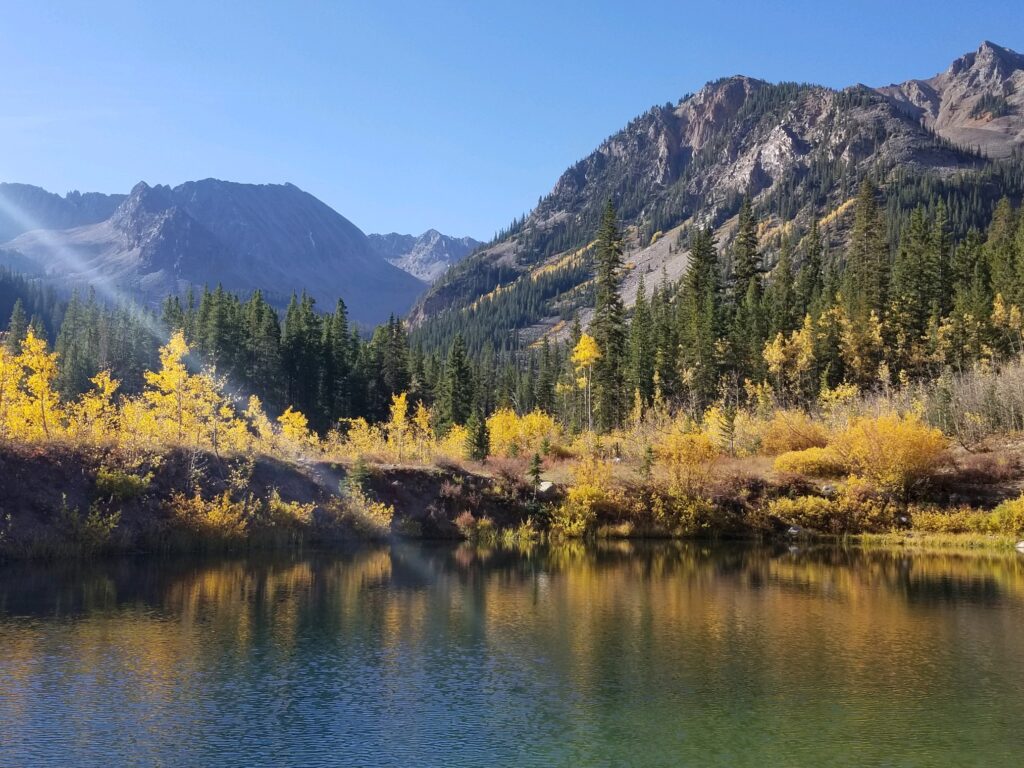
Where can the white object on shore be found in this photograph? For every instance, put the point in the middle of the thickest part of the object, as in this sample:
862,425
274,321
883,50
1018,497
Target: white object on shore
795,530
1020,546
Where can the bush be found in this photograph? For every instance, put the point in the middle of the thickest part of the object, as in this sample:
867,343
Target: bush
816,462
218,517
288,514
896,454
855,509
575,516
814,512
117,485
792,431
370,517
1008,517
962,520
683,515
687,458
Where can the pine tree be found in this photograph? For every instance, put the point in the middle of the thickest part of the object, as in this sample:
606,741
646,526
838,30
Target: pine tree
746,261
479,435
17,328
780,298
810,278
457,392
1001,252
608,326
699,323
641,347
867,258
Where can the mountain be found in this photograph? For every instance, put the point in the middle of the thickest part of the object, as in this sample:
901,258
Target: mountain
160,240
24,207
978,101
427,256
798,150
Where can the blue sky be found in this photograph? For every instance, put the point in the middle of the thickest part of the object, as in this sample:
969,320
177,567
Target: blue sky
410,115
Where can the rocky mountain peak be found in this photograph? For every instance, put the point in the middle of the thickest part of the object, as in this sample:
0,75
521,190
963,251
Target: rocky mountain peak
976,102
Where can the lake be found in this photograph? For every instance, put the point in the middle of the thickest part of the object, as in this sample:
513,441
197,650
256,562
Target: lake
420,655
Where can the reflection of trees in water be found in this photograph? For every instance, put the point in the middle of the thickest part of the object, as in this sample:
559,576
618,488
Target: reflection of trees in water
595,613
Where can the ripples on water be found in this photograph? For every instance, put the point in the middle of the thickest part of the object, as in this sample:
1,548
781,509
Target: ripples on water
434,655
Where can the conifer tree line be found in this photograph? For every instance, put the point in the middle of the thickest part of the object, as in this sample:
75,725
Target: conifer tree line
791,314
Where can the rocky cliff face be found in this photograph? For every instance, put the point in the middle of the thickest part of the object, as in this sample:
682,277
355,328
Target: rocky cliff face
275,238
428,256
977,102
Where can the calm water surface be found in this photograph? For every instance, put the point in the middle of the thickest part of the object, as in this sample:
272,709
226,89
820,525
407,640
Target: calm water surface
416,655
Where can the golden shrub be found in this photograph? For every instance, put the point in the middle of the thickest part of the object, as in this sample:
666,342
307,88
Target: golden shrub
687,458
812,512
219,516
815,462
792,430
895,453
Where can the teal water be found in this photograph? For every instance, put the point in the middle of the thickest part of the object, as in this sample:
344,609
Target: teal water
410,655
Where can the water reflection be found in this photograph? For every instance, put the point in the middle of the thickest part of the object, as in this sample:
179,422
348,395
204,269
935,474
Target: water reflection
616,654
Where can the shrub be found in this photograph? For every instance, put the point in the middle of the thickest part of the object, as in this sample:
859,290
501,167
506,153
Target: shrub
370,517
816,462
687,457
814,512
1008,517
855,509
118,486
792,431
288,513
961,520
683,515
576,515
219,516
896,454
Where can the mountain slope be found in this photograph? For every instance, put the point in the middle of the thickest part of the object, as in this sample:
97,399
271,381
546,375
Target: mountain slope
978,101
24,207
276,238
427,256
798,150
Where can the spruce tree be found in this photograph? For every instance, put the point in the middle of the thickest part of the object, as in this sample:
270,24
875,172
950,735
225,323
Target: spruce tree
608,326
641,347
699,322
867,258
17,328
457,393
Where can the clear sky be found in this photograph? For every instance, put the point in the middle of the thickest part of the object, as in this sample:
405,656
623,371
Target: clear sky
410,115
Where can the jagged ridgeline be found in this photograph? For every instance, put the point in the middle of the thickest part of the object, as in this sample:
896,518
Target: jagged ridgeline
800,151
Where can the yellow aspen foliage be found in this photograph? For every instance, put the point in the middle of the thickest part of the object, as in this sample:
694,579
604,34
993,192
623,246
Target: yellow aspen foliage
40,410
423,430
261,424
11,374
455,443
584,355
94,417
295,428
514,435
398,424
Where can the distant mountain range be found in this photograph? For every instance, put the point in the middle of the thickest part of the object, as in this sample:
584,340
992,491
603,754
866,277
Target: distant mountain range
160,240
799,150
427,256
